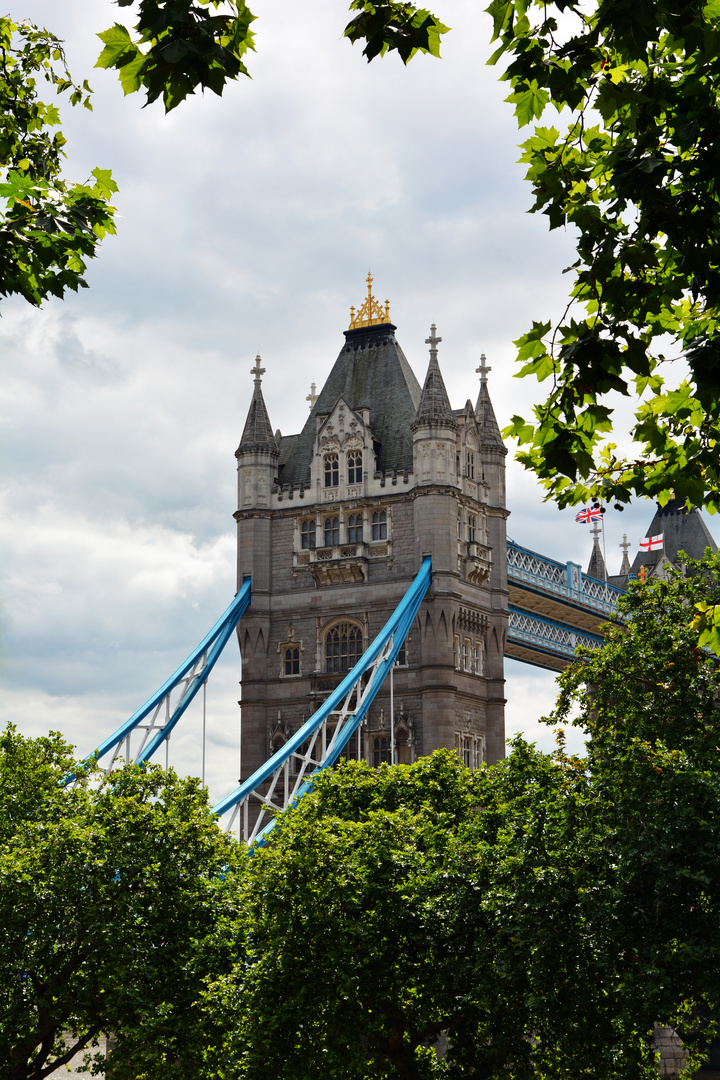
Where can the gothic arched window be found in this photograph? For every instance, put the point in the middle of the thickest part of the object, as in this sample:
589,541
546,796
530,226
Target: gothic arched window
379,525
332,532
470,464
355,529
354,463
332,470
307,534
343,646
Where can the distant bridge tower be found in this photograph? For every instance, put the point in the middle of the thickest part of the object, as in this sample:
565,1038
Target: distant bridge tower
332,526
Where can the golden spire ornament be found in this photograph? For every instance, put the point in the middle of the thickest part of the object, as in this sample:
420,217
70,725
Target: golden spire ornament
371,313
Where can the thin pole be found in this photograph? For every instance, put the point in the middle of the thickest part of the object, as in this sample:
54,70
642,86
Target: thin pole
604,552
204,728
392,716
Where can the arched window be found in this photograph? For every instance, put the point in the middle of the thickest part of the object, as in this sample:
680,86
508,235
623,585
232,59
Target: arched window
332,470
292,661
354,464
470,464
307,534
332,532
343,647
355,529
379,525
381,751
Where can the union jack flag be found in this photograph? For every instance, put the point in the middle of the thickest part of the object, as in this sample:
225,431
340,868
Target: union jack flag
591,513
652,543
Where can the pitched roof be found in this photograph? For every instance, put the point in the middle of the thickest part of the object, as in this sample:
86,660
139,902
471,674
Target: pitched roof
371,371
434,406
257,433
683,530
596,566
487,421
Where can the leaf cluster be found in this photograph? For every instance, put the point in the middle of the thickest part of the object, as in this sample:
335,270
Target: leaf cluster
429,921
114,901
49,226
180,45
633,173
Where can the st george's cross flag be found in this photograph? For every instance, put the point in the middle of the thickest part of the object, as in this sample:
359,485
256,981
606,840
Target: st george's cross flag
591,513
652,543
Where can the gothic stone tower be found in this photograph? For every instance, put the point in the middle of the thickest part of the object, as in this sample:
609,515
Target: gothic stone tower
333,524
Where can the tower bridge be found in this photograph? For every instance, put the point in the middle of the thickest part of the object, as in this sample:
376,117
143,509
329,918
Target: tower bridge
378,594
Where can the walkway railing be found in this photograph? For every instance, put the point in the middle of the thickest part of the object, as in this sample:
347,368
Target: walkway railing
565,581
548,636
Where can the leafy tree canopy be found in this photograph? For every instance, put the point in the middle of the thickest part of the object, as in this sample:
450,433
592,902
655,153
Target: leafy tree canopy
183,44
633,171
49,226
532,920
114,903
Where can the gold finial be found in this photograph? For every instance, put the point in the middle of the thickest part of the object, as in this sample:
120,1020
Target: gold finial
371,313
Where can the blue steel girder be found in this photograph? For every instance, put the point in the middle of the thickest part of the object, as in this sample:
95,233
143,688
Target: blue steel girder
318,744
160,712
544,643
560,605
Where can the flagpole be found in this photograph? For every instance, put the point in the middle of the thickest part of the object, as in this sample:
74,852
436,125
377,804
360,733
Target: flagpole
604,549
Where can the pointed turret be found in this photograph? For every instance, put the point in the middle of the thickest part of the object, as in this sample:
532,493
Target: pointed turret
625,565
434,429
258,453
257,433
681,530
484,412
596,566
434,407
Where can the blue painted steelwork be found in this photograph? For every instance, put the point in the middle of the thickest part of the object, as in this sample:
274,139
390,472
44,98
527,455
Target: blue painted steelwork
363,681
546,635
194,671
563,581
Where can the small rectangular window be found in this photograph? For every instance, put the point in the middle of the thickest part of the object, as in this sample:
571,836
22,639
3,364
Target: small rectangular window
332,532
472,527
355,529
332,470
379,525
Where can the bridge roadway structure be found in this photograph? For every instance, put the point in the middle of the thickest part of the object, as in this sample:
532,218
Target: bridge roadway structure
553,608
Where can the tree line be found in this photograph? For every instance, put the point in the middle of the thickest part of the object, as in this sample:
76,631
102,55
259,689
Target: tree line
534,919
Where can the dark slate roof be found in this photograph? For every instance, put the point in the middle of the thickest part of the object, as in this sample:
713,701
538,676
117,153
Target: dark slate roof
257,433
434,406
596,566
370,371
683,531
487,422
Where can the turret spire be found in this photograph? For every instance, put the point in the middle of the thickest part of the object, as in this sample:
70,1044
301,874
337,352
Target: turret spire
484,412
434,406
257,433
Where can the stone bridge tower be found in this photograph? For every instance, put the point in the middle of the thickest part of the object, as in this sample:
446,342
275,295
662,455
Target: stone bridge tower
333,524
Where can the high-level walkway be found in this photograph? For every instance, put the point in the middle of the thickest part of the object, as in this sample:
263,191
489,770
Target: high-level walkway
553,608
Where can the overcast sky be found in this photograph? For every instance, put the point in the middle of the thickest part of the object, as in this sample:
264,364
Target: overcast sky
248,224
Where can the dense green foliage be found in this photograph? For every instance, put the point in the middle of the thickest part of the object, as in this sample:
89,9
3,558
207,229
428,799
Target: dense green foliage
634,173
111,906
529,921
535,919
183,44
49,226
